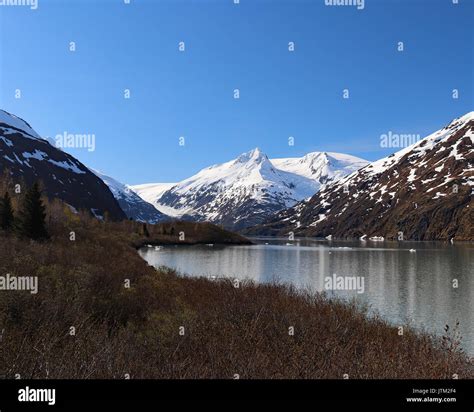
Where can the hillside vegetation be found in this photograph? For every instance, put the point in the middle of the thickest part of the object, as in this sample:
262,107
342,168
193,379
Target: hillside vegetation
102,312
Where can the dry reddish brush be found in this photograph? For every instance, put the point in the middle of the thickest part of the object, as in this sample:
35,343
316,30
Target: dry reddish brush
167,326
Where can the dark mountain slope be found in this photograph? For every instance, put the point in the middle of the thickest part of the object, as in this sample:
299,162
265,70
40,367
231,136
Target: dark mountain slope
29,158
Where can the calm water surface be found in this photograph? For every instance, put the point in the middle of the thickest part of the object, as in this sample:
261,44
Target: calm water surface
404,286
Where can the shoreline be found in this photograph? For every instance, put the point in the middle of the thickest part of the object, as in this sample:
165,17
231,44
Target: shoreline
129,317
164,242
356,239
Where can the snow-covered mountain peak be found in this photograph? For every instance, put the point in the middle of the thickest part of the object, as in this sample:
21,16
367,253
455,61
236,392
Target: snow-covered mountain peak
321,166
248,169
245,190
255,156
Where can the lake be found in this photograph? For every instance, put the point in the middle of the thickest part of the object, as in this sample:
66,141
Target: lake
425,284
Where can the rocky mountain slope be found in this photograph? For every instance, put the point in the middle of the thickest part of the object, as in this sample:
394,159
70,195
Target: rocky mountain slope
133,205
247,190
423,192
28,157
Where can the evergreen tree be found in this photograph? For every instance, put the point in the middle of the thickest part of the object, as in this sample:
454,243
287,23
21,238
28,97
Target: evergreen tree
145,230
6,212
32,219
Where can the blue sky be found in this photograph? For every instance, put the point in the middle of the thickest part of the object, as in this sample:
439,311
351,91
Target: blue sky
228,46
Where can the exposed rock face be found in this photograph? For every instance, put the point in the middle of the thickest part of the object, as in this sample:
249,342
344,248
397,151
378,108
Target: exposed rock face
423,192
30,158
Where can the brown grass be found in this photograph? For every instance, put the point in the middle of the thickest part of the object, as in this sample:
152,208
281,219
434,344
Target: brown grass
227,330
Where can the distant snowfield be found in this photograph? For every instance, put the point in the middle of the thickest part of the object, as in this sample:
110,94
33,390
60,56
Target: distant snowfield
152,192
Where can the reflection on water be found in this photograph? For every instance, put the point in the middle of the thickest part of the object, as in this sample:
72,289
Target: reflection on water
403,286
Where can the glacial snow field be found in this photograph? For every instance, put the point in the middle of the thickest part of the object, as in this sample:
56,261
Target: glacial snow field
152,192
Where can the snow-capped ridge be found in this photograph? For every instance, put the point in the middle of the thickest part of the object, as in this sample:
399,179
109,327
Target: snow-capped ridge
462,119
18,123
245,190
253,156
321,166
419,149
